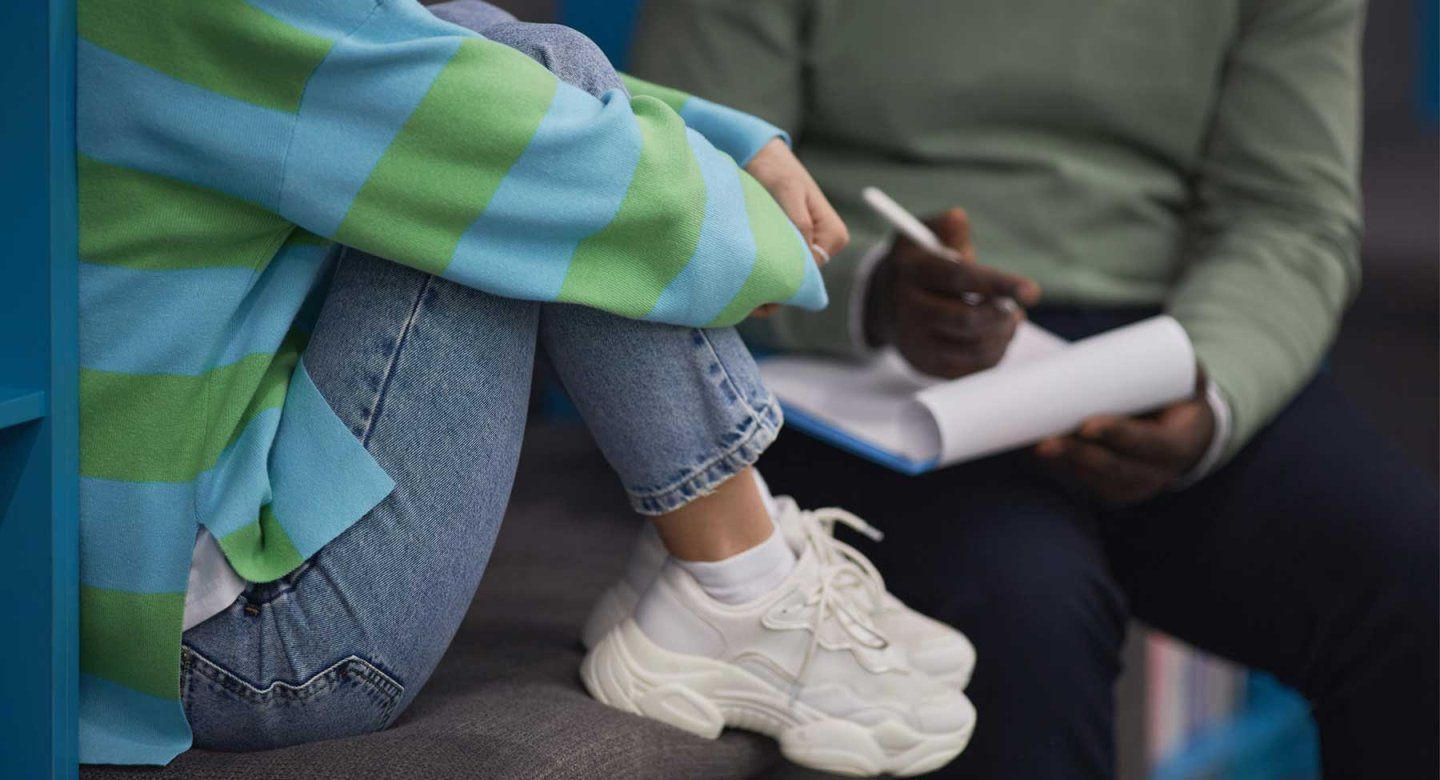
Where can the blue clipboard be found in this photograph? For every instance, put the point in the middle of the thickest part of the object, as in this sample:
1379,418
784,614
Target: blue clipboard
817,428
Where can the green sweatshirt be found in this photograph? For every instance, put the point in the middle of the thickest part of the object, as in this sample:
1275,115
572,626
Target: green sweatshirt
1200,156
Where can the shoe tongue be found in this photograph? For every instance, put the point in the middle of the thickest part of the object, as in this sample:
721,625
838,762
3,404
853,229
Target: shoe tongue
791,522
807,564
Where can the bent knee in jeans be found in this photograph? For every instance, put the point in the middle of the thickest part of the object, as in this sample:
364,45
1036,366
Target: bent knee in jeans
676,410
567,53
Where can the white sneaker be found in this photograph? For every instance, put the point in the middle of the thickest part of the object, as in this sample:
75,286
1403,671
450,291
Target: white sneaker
930,645
804,664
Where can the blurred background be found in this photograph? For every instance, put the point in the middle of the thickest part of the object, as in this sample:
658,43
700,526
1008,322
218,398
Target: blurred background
1386,355
1182,714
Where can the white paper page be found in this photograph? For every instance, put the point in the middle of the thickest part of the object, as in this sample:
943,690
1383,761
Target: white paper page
872,401
1129,370
876,401
1029,343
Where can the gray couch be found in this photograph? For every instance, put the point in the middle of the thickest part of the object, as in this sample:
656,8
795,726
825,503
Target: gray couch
507,701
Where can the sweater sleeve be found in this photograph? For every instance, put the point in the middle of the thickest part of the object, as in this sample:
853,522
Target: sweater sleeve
750,54
733,132
381,127
1275,258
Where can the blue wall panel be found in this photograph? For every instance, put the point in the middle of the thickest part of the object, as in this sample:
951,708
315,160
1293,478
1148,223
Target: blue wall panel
609,23
38,434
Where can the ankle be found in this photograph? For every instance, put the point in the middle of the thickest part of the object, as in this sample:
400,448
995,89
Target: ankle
747,575
732,519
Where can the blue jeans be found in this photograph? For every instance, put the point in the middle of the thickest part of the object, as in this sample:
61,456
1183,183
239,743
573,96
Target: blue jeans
568,54
433,378
1311,555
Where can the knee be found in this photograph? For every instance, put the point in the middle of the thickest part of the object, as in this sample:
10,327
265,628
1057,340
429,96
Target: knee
565,52
471,14
1071,613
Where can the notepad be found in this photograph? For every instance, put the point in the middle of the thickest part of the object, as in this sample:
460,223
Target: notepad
884,411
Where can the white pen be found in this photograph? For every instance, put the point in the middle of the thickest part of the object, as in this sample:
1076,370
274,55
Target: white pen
916,231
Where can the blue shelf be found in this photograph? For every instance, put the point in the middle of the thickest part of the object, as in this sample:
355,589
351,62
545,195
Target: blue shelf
20,406
609,23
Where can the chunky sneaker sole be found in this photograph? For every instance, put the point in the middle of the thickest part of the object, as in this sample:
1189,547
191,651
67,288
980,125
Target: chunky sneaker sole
935,648
628,671
618,603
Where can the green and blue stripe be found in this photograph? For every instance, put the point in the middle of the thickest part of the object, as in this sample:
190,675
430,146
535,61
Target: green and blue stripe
709,277
518,221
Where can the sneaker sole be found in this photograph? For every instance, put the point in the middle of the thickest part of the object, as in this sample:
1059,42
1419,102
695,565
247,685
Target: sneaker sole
617,604
958,680
702,696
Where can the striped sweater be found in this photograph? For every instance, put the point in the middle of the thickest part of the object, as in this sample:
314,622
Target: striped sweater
224,147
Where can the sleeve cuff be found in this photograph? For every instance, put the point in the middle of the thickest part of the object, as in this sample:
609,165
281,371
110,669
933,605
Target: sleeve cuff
860,291
1215,453
733,132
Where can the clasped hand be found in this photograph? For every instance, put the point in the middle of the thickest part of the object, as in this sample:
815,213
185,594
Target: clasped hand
781,173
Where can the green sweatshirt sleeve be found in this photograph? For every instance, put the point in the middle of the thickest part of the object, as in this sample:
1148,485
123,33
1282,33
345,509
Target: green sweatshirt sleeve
1275,255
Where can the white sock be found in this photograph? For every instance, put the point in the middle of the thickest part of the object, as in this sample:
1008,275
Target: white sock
646,558
745,576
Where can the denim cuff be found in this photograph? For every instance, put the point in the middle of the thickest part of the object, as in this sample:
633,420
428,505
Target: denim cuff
736,451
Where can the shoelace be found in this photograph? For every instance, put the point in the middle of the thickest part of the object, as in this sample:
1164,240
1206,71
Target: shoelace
830,517
832,598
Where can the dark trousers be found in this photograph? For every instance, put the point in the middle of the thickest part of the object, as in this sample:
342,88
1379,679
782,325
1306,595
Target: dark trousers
1312,555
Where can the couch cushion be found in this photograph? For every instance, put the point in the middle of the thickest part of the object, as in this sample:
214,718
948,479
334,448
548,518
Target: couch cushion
507,701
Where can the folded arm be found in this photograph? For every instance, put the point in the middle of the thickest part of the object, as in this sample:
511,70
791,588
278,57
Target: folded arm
750,55
384,128
576,59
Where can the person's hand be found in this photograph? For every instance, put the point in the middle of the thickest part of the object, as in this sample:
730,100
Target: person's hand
780,172
1127,460
926,306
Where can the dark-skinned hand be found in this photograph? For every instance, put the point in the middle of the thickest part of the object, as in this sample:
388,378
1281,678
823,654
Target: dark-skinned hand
1127,460
926,305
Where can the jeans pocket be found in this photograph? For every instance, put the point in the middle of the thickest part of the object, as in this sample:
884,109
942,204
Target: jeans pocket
227,712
